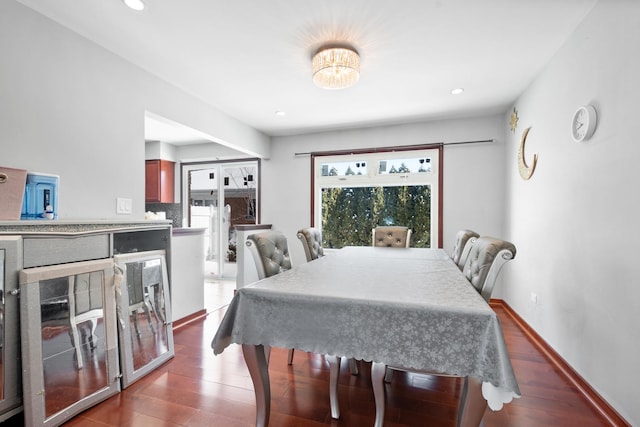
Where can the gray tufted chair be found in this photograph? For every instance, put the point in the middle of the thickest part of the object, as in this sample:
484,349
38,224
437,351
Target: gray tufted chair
464,242
311,239
393,236
486,258
270,252
271,255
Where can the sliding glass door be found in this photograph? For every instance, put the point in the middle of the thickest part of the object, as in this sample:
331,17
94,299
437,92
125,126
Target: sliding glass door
218,196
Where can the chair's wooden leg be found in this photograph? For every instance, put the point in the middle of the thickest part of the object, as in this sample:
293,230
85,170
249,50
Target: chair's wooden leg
290,357
334,374
353,366
255,357
77,344
267,353
134,313
377,375
147,312
75,336
93,339
472,404
388,375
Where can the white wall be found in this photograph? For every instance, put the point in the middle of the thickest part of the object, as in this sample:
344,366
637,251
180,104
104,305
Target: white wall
74,109
207,152
575,223
196,152
155,150
473,174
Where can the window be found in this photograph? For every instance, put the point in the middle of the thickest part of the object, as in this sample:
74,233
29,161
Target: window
354,193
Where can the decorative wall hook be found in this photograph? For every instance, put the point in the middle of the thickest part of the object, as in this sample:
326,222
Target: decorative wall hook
514,120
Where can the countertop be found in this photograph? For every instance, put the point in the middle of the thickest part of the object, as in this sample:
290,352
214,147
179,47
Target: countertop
187,231
75,226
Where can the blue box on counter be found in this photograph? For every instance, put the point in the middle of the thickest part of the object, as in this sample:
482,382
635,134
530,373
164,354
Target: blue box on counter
40,197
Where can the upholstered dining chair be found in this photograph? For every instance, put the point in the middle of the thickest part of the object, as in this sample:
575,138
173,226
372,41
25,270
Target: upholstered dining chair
271,255
487,257
394,236
464,242
270,252
311,239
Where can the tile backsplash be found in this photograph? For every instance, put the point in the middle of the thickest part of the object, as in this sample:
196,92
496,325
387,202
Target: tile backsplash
173,211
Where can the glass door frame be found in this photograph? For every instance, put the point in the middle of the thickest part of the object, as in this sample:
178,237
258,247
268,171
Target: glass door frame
11,401
125,338
31,334
218,166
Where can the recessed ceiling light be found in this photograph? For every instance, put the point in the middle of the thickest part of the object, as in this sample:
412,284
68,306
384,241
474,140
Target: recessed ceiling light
457,91
280,113
134,4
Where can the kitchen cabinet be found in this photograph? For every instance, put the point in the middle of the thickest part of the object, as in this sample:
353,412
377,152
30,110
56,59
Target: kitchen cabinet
69,339
10,366
159,181
93,313
146,337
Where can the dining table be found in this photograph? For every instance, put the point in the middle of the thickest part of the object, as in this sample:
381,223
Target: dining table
408,308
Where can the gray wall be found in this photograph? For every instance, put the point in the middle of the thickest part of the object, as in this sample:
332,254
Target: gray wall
76,110
473,184
575,223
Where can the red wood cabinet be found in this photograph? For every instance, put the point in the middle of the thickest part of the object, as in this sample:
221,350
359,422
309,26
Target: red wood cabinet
159,176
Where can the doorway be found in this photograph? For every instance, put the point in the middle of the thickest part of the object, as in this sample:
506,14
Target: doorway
218,196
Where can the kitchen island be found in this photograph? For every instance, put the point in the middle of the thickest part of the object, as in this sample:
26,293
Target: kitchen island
187,274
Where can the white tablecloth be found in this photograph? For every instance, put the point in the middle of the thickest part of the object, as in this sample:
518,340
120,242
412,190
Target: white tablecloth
411,308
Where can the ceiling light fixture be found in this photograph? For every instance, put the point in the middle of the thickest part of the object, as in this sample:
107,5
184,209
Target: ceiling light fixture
457,91
134,4
335,67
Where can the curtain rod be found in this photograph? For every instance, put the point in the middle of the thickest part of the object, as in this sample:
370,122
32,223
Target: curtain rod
393,148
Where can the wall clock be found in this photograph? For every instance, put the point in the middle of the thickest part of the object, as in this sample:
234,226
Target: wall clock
583,123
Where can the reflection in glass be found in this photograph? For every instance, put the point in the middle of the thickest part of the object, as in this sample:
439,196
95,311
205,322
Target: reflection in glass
147,311
405,165
2,324
355,167
73,338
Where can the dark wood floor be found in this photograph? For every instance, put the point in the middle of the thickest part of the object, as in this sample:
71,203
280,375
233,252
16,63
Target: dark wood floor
197,388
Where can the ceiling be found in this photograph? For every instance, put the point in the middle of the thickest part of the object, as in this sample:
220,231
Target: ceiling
253,58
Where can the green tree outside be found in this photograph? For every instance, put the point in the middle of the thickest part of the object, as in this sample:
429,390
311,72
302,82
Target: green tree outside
350,213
